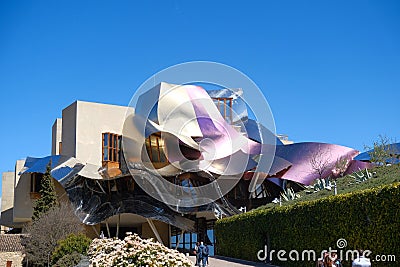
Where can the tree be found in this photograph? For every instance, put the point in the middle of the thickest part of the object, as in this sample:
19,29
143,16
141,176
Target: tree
381,151
48,196
320,163
47,230
69,260
73,243
341,165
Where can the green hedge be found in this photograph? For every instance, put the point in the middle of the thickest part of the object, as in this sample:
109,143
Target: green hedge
368,219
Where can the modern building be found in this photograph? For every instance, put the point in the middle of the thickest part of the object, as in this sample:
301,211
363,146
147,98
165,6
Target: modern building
90,133
114,164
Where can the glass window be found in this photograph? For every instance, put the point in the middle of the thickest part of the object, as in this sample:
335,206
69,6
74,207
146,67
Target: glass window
187,247
36,179
105,155
173,239
115,157
105,140
154,154
111,147
163,158
155,148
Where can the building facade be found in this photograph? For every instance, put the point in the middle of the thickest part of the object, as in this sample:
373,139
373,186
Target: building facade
107,161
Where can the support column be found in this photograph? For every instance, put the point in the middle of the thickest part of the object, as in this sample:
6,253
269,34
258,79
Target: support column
154,229
108,230
180,238
119,220
95,230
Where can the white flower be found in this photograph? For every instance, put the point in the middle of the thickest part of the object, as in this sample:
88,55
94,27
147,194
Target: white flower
135,252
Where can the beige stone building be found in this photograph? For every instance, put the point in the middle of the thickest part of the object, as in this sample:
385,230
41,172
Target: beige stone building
11,250
78,134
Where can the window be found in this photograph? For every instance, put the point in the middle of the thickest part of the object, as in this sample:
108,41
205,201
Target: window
59,148
155,148
111,147
36,179
183,242
224,106
187,241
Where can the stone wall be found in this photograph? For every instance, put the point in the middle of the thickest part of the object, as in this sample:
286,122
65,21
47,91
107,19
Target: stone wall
15,257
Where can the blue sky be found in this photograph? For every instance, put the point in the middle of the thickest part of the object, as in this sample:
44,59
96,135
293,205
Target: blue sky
330,70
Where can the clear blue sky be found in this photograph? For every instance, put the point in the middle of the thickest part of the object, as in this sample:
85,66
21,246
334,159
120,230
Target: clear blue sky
329,69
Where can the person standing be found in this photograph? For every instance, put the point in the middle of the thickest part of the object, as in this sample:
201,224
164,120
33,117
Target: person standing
203,254
204,250
197,252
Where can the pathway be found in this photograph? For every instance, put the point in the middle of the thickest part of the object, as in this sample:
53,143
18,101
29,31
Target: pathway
229,262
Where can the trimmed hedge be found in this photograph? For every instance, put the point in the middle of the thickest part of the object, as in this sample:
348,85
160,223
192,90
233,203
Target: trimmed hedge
368,219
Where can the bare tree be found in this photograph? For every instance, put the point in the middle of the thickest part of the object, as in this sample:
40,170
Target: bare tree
320,163
381,151
341,165
44,232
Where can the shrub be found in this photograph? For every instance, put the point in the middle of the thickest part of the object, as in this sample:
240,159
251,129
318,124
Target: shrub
73,243
68,260
135,252
367,219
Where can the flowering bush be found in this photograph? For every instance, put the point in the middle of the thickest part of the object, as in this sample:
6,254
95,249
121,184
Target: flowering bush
134,252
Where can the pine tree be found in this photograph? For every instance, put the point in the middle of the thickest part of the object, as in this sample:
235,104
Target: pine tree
48,195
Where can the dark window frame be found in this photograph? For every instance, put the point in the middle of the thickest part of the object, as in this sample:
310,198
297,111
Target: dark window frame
111,147
36,183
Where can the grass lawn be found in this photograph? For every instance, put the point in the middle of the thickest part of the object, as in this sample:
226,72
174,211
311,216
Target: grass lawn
384,175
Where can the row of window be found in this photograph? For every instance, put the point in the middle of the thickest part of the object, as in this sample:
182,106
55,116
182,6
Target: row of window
154,144
111,143
112,151
186,242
